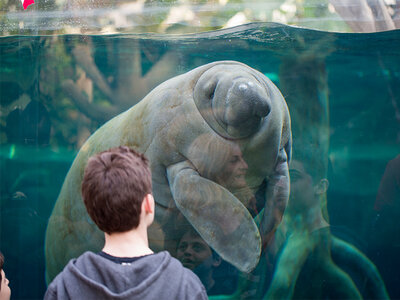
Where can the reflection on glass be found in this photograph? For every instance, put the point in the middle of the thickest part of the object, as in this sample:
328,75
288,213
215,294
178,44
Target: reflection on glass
218,277
362,113
221,161
312,262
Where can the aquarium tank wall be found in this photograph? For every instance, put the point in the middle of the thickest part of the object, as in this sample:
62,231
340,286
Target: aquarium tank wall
285,113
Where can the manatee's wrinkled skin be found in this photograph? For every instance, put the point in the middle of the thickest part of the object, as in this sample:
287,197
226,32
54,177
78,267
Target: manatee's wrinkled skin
228,103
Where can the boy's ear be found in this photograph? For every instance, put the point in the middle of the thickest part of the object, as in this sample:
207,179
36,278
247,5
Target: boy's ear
322,186
148,203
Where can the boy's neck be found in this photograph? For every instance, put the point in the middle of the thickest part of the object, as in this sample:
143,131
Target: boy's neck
309,219
131,243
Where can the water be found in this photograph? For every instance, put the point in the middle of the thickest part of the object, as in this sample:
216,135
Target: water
342,90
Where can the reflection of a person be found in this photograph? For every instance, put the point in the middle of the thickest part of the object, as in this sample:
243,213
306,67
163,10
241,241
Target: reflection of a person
313,263
305,260
384,238
5,291
219,160
233,173
222,161
196,255
305,198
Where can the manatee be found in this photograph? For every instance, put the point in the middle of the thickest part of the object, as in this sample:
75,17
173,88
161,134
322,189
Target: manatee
224,105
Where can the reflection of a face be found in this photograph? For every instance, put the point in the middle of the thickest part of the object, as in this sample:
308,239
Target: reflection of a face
5,291
193,251
219,160
301,185
233,174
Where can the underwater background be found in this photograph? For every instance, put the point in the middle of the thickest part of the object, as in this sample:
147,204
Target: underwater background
342,90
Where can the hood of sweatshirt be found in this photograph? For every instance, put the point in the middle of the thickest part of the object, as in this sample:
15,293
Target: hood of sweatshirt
94,277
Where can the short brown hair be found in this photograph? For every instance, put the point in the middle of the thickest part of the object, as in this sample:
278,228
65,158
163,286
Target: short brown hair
114,185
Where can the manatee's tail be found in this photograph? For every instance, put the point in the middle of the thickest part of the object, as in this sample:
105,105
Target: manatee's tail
345,254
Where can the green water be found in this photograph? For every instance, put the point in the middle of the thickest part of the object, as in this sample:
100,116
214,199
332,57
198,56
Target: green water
343,93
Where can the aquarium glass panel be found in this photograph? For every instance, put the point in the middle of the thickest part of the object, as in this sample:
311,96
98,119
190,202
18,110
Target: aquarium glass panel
274,150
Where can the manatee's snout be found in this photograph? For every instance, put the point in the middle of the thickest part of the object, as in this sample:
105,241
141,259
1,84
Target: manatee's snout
234,100
246,101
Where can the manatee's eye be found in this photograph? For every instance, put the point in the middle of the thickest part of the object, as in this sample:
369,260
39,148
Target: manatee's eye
212,94
210,89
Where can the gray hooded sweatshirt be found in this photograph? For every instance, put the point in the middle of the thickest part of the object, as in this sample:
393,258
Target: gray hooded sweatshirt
156,277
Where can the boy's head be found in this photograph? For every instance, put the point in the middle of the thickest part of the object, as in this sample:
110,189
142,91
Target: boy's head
114,185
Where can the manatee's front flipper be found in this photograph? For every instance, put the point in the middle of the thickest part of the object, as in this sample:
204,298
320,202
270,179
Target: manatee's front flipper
347,256
218,216
277,195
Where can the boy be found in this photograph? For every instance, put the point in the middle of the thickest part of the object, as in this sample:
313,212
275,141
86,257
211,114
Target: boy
116,190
